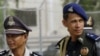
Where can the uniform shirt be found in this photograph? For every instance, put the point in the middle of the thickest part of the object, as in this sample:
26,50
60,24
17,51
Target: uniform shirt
27,53
73,48
85,45
98,47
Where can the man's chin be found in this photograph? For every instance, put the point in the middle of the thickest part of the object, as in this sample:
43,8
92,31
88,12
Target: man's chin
78,33
12,48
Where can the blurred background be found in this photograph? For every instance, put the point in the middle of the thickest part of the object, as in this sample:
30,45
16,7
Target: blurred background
44,17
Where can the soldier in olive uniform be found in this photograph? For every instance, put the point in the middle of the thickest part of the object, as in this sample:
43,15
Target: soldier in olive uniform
16,36
79,43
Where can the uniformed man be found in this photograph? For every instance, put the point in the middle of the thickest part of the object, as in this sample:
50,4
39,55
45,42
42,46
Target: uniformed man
16,36
79,43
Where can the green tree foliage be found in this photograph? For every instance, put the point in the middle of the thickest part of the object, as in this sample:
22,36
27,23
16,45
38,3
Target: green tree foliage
17,2
1,16
1,2
1,22
90,5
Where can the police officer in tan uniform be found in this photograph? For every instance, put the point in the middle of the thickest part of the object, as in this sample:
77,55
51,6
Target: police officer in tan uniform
79,43
16,36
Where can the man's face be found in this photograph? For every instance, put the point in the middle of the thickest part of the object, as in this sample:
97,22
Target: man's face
74,23
15,41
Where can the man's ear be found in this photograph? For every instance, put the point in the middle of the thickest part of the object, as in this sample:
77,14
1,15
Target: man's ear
26,36
64,23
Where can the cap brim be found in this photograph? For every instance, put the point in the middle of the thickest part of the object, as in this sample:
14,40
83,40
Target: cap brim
14,32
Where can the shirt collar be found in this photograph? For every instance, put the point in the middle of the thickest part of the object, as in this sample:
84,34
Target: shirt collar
27,52
10,53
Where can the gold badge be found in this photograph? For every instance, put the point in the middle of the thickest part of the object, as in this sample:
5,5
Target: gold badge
70,9
84,51
11,21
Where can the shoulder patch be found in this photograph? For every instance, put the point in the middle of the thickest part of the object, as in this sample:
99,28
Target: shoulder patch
93,36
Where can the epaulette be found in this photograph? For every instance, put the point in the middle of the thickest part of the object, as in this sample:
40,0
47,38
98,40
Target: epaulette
93,36
34,54
63,39
58,43
2,53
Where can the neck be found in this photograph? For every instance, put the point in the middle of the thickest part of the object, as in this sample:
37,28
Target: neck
74,38
19,51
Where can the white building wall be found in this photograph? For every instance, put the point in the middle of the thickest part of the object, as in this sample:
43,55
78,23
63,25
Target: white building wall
55,18
50,15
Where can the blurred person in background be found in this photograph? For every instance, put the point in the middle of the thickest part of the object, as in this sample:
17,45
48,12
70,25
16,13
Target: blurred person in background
89,28
79,43
16,36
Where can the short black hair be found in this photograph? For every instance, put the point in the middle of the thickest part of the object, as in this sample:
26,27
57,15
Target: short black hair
65,16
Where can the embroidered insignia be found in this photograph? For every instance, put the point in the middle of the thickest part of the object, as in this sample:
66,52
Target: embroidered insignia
11,21
70,9
84,51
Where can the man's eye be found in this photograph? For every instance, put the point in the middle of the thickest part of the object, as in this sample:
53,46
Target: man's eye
12,36
81,20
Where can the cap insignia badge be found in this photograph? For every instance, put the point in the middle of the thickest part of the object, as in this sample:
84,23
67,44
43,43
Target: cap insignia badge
11,21
70,9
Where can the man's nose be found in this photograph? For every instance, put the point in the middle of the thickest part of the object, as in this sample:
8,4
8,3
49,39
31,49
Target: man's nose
78,24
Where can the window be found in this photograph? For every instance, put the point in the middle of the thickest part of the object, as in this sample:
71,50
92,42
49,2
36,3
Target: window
28,16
